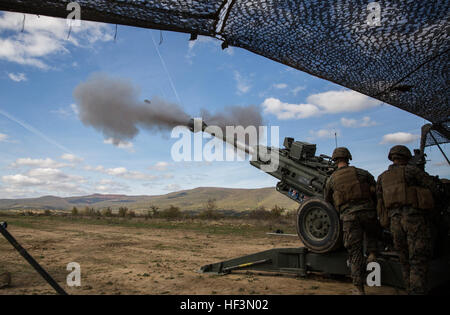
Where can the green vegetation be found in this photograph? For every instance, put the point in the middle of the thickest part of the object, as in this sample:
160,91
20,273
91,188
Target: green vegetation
234,227
210,211
207,220
123,212
261,213
170,213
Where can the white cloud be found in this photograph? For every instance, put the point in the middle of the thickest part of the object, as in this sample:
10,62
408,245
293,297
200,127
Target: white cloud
118,171
71,158
46,180
120,144
298,89
3,137
99,168
399,138
280,86
110,186
42,163
330,102
74,108
122,172
242,84
67,111
285,111
21,180
134,175
323,133
160,166
353,123
44,36
17,77
172,187
53,175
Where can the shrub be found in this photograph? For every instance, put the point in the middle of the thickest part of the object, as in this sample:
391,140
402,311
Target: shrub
154,211
89,211
210,211
74,211
131,214
276,212
107,212
260,213
47,212
147,215
123,212
171,213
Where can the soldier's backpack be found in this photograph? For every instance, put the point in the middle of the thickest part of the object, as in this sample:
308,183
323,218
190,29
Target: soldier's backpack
347,187
397,193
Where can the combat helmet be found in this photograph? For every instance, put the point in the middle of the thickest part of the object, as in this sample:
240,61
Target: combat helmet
399,151
341,153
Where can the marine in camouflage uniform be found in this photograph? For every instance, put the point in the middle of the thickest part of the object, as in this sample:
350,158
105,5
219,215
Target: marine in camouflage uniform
352,192
405,203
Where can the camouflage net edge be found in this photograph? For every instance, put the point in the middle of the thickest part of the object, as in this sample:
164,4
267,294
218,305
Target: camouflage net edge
402,62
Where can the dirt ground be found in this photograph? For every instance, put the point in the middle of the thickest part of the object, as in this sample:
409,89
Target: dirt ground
118,259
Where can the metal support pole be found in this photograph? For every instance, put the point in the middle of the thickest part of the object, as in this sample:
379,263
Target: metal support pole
30,260
437,143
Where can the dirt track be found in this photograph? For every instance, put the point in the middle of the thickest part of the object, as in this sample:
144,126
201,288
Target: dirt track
135,260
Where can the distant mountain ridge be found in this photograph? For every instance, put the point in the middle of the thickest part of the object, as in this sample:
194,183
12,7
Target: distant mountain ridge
193,199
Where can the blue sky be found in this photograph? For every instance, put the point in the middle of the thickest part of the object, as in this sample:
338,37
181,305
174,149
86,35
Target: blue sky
46,150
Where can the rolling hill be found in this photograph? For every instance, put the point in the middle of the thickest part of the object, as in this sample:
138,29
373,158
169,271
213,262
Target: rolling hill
194,199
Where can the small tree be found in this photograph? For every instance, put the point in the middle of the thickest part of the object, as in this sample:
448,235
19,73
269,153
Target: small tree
131,214
123,212
155,211
171,213
260,213
210,211
107,212
276,211
47,212
74,211
89,211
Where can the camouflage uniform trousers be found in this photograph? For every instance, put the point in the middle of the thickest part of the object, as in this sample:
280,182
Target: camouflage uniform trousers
412,240
355,226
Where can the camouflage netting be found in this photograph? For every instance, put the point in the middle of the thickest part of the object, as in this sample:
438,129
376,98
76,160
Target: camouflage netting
435,134
403,61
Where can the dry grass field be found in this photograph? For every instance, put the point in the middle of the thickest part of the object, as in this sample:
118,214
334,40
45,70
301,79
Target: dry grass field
156,256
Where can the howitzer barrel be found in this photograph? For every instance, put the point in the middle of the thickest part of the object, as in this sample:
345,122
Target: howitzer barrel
198,125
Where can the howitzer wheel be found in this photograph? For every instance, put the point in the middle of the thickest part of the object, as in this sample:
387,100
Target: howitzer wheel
318,226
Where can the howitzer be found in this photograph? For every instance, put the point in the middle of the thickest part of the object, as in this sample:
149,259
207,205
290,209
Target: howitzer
302,176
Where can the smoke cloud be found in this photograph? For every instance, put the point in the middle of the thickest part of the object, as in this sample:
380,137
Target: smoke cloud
112,106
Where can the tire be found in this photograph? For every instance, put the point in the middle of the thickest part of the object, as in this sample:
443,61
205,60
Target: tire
319,226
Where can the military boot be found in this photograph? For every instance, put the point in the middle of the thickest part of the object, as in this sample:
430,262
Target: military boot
358,290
